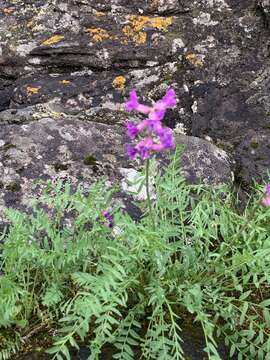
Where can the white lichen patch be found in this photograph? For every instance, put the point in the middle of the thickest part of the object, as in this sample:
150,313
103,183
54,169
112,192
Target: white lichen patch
34,61
143,77
165,5
177,44
103,54
82,72
25,49
205,45
152,63
67,135
194,107
180,129
204,19
218,5
186,88
113,106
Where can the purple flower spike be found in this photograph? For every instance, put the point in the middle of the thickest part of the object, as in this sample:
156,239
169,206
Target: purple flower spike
158,147
144,147
267,189
157,138
166,138
132,130
154,126
133,103
156,115
168,101
144,109
131,151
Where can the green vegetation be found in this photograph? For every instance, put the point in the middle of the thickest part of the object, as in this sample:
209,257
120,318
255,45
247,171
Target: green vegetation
131,285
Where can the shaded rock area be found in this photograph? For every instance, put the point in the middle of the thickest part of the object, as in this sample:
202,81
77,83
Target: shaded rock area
81,152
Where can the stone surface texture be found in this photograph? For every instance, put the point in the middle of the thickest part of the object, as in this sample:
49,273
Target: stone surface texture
66,68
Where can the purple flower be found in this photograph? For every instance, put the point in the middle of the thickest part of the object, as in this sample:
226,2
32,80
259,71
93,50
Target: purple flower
266,199
157,138
154,126
156,115
131,151
158,147
144,147
133,104
168,101
132,130
166,138
108,217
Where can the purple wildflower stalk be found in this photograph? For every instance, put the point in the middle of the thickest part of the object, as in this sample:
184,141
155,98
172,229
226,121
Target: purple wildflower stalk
157,138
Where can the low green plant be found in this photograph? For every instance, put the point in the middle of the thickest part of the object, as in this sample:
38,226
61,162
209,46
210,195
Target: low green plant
130,286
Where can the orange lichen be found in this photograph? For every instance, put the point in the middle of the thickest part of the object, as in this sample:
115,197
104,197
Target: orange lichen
8,11
119,82
134,31
194,60
99,34
32,90
65,82
161,23
100,13
53,40
158,22
138,37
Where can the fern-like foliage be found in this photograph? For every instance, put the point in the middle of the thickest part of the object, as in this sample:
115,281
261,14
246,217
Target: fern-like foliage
132,286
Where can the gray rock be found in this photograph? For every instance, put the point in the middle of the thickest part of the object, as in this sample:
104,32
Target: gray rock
80,152
203,162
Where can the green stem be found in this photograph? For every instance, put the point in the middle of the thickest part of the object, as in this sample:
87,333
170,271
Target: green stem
149,202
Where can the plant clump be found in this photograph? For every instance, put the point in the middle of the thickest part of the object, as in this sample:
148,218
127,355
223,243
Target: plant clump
129,284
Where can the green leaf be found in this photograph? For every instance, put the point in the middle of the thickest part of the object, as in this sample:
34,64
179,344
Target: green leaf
243,313
265,303
232,350
266,315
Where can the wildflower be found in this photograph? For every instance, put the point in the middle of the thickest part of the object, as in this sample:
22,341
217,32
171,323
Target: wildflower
132,130
156,115
154,126
166,138
266,199
133,104
108,217
168,101
131,151
158,138
144,147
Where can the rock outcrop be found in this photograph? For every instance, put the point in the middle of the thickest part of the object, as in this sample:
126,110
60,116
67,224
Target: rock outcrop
80,152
